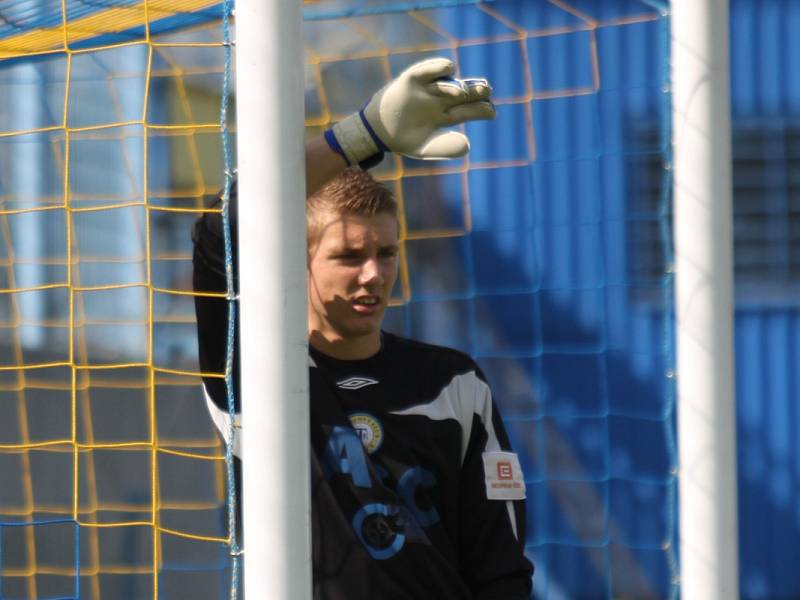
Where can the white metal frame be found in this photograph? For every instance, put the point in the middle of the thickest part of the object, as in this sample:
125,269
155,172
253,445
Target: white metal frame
704,299
272,267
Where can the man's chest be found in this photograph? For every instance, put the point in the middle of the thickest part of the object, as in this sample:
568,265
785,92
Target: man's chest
383,418
368,441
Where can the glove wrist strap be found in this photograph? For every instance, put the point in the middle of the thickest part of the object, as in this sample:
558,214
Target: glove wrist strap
354,139
375,138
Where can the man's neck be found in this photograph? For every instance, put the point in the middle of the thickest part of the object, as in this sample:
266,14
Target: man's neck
346,349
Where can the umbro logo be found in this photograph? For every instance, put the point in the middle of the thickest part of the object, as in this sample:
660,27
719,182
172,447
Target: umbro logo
356,383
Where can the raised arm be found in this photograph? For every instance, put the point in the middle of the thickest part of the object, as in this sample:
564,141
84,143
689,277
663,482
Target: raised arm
406,117
322,164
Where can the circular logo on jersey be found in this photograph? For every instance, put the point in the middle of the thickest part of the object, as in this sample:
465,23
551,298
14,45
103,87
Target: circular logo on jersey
380,529
369,429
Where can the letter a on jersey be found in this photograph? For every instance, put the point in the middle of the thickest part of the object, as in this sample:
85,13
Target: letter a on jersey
345,454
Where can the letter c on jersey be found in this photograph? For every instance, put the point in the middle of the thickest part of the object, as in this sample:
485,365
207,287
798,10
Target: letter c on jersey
344,453
407,488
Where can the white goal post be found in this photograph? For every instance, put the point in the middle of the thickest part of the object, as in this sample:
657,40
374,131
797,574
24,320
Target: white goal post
272,267
704,299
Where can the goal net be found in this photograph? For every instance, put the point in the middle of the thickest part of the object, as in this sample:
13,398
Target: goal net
544,253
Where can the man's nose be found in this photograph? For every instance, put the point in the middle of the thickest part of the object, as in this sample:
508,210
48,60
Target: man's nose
370,272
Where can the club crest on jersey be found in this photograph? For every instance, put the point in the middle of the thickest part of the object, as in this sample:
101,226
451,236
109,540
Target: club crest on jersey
369,429
356,383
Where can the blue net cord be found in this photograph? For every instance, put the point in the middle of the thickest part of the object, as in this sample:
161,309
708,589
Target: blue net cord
233,542
323,11
668,291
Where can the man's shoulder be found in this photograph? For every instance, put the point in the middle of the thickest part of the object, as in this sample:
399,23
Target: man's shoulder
423,355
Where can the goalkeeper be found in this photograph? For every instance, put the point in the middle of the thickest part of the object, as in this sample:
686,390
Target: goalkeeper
415,491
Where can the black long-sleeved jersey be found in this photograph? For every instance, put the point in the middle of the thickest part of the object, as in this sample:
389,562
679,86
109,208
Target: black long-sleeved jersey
415,492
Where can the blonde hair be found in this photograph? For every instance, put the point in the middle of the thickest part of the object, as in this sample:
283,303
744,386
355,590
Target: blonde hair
352,192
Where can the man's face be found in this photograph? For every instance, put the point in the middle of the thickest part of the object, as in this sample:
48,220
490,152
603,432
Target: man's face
351,271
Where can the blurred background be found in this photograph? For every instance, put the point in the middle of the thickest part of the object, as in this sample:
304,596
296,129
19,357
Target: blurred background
546,254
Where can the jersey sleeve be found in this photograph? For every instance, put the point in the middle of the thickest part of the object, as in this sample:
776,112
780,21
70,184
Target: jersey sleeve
492,524
208,261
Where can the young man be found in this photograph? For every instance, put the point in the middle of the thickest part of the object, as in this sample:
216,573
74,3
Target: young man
415,493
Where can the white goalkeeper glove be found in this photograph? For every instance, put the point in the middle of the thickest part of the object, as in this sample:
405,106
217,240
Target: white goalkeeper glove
407,115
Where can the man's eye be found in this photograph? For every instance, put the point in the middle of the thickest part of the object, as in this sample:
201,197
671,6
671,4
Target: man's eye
388,253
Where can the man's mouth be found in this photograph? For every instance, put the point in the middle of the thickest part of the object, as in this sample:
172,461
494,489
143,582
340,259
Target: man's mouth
366,304
367,300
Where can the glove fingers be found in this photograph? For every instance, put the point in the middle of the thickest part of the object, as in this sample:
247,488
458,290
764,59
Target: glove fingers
433,68
448,88
450,144
477,89
460,90
472,111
